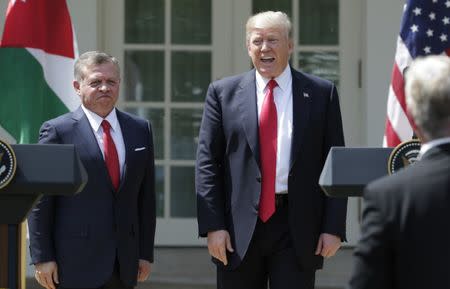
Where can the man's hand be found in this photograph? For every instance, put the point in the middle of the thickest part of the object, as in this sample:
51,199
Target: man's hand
145,267
47,274
218,242
328,245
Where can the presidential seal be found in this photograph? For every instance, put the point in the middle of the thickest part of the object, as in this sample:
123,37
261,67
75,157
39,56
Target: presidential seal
7,164
403,155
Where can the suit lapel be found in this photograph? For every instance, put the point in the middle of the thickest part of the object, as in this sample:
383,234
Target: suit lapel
85,139
248,110
127,135
301,101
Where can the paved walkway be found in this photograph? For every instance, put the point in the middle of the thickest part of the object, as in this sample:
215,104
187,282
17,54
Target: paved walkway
190,268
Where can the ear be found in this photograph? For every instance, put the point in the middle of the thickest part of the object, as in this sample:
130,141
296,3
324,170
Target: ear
76,86
248,48
291,46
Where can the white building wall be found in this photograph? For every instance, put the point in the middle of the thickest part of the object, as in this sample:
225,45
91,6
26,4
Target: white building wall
3,5
85,20
382,25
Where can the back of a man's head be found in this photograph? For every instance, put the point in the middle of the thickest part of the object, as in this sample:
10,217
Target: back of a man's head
427,92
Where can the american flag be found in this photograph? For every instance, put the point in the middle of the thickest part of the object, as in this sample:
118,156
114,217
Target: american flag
425,30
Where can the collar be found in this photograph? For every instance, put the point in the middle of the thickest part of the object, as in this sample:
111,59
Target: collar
95,120
282,80
434,143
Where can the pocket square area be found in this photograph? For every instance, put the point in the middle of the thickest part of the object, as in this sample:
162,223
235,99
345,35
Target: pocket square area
139,149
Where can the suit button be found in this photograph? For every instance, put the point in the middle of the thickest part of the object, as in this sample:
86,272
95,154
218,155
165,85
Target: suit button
258,179
290,175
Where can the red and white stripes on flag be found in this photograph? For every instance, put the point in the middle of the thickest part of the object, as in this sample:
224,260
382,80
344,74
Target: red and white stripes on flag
425,30
399,127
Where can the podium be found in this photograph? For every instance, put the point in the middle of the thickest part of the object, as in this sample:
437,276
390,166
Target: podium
348,170
41,169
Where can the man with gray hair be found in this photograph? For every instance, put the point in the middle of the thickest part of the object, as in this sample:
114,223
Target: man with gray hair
263,141
103,236
406,220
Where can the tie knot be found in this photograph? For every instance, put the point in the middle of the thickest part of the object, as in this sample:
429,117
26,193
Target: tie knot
272,84
105,125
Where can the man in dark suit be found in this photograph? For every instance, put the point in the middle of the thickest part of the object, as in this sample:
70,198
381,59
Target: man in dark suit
263,140
405,228
102,237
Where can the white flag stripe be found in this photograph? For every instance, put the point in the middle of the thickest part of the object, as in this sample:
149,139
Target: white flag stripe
402,56
75,43
398,118
58,72
5,136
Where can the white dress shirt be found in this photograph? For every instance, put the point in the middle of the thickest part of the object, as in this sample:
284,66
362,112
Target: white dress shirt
116,133
283,101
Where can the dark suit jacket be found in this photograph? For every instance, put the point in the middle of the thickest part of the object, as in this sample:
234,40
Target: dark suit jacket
85,233
228,176
405,228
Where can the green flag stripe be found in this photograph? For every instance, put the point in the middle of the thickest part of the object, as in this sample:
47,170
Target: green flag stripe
26,99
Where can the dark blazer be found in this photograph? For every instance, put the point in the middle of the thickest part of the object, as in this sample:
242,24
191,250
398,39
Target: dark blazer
405,228
228,176
85,233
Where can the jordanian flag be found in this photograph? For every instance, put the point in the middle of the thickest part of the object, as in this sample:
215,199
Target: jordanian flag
37,53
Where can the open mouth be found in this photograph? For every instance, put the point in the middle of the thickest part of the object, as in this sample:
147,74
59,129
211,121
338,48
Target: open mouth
267,59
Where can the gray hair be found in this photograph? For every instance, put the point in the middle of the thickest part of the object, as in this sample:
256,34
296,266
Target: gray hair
92,58
427,92
269,19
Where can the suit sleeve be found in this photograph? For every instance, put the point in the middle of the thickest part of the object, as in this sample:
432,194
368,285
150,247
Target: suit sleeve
373,266
209,167
41,217
147,206
335,208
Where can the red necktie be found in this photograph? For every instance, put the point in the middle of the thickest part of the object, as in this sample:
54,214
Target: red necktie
111,158
268,152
